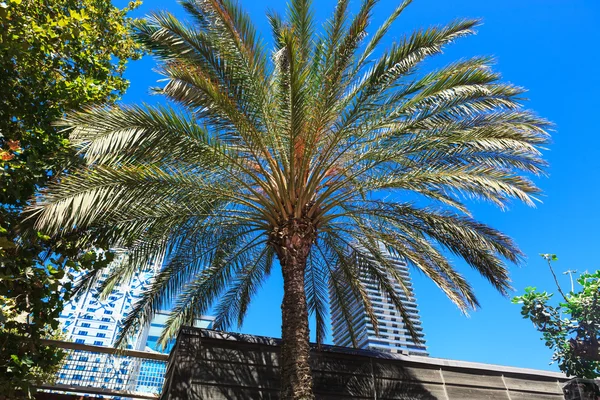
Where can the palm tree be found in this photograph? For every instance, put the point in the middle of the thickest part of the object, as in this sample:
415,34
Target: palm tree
317,154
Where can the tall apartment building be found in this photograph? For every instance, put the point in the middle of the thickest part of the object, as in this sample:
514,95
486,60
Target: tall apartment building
393,335
89,320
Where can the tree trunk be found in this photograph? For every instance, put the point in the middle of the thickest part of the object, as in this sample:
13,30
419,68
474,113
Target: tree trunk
293,245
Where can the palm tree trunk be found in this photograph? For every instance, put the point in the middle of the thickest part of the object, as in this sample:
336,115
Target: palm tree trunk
293,247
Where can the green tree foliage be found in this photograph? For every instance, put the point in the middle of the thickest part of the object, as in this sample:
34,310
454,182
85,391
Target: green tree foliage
305,154
55,55
570,327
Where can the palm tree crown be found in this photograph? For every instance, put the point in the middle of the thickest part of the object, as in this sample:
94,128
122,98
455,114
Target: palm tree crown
310,153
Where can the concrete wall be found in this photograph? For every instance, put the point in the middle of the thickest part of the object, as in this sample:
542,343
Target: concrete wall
212,365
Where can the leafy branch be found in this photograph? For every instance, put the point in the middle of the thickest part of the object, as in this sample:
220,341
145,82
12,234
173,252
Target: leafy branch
570,328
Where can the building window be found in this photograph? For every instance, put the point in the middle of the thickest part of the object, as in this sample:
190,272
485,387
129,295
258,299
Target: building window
85,325
104,327
77,377
87,317
79,341
107,312
91,309
82,333
98,343
102,335
105,319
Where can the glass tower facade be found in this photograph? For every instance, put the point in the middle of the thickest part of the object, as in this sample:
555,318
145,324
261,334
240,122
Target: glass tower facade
151,373
393,335
88,320
91,321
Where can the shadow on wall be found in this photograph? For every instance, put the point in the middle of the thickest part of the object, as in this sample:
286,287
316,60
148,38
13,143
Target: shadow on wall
246,367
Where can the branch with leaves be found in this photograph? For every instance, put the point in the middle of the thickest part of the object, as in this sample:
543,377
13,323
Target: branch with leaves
572,327
55,55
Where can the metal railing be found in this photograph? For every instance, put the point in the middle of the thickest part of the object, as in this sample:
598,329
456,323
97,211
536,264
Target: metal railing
106,371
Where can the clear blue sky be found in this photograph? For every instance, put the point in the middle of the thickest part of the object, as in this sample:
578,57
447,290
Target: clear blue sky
551,48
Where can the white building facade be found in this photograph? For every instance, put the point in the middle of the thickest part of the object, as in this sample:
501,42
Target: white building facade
91,321
393,336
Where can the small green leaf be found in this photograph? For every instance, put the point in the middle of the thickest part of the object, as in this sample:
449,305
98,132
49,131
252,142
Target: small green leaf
43,237
15,359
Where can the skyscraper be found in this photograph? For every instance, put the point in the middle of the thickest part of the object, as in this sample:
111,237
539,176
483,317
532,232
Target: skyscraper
393,335
89,320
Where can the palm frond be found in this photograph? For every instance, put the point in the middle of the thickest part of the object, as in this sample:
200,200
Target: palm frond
317,287
194,252
198,295
234,303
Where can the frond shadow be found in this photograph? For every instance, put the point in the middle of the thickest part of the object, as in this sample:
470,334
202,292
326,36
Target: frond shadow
214,365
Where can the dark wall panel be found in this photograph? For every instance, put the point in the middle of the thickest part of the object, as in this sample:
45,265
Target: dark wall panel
214,365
